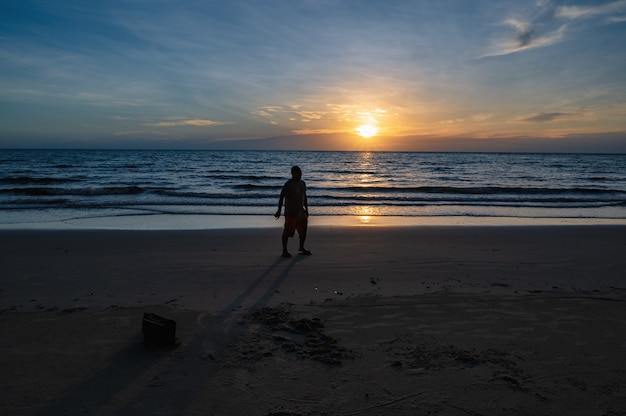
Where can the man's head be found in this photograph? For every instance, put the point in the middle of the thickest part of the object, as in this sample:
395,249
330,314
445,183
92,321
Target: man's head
296,173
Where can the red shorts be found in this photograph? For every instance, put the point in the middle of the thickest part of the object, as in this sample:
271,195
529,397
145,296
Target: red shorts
295,223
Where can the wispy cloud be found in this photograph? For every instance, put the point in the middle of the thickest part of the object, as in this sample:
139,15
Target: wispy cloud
316,131
529,34
336,113
291,113
585,12
137,132
545,117
549,24
476,118
188,122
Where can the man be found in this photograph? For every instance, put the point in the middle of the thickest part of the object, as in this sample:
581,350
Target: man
296,210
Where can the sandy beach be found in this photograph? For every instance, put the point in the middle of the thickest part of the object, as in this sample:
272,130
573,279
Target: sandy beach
434,320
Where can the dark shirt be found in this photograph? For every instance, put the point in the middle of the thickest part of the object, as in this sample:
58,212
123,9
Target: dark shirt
294,192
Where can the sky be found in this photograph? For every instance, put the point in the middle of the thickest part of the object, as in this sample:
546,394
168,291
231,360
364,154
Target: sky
445,75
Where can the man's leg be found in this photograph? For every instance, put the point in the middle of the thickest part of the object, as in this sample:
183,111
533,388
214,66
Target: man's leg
285,239
287,232
302,234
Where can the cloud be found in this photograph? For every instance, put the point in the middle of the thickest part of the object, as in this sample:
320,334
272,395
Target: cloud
548,25
527,36
191,122
317,116
309,115
137,132
476,118
545,117
290,112
315,131
526,32
578,12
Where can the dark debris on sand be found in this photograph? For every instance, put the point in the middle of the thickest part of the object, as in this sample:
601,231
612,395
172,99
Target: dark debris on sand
419,355
306,338
284,412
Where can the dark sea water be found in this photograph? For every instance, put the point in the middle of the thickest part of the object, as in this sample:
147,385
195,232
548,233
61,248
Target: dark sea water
51,186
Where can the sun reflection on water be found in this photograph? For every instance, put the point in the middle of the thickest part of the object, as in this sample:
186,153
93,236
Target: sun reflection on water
365,214
365,219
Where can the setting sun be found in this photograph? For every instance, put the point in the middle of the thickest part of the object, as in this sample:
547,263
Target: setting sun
367,130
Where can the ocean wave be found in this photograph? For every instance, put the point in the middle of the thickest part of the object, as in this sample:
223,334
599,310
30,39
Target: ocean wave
86,191
235,177
209,195
251,187
251,195
270,203
28,180
482,190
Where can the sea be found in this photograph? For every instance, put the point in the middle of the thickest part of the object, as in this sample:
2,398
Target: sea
172,189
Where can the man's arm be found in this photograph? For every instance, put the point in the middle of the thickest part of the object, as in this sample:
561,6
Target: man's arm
305,202
280,203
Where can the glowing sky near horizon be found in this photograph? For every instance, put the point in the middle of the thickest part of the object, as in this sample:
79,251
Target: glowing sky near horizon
444,75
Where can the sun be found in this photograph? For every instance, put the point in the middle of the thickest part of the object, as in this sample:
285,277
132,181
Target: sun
367,130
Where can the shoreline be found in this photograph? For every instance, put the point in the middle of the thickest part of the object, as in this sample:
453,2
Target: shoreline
393,320
215,222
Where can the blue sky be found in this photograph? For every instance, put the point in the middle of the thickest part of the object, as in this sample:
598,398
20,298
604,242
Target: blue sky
464,75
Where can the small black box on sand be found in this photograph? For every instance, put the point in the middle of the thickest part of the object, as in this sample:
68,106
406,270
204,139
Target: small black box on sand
158,331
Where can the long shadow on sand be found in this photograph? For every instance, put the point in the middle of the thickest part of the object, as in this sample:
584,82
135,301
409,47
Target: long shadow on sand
135,380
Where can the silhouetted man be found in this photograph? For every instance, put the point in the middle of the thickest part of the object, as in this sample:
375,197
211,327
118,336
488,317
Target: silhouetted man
296,210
